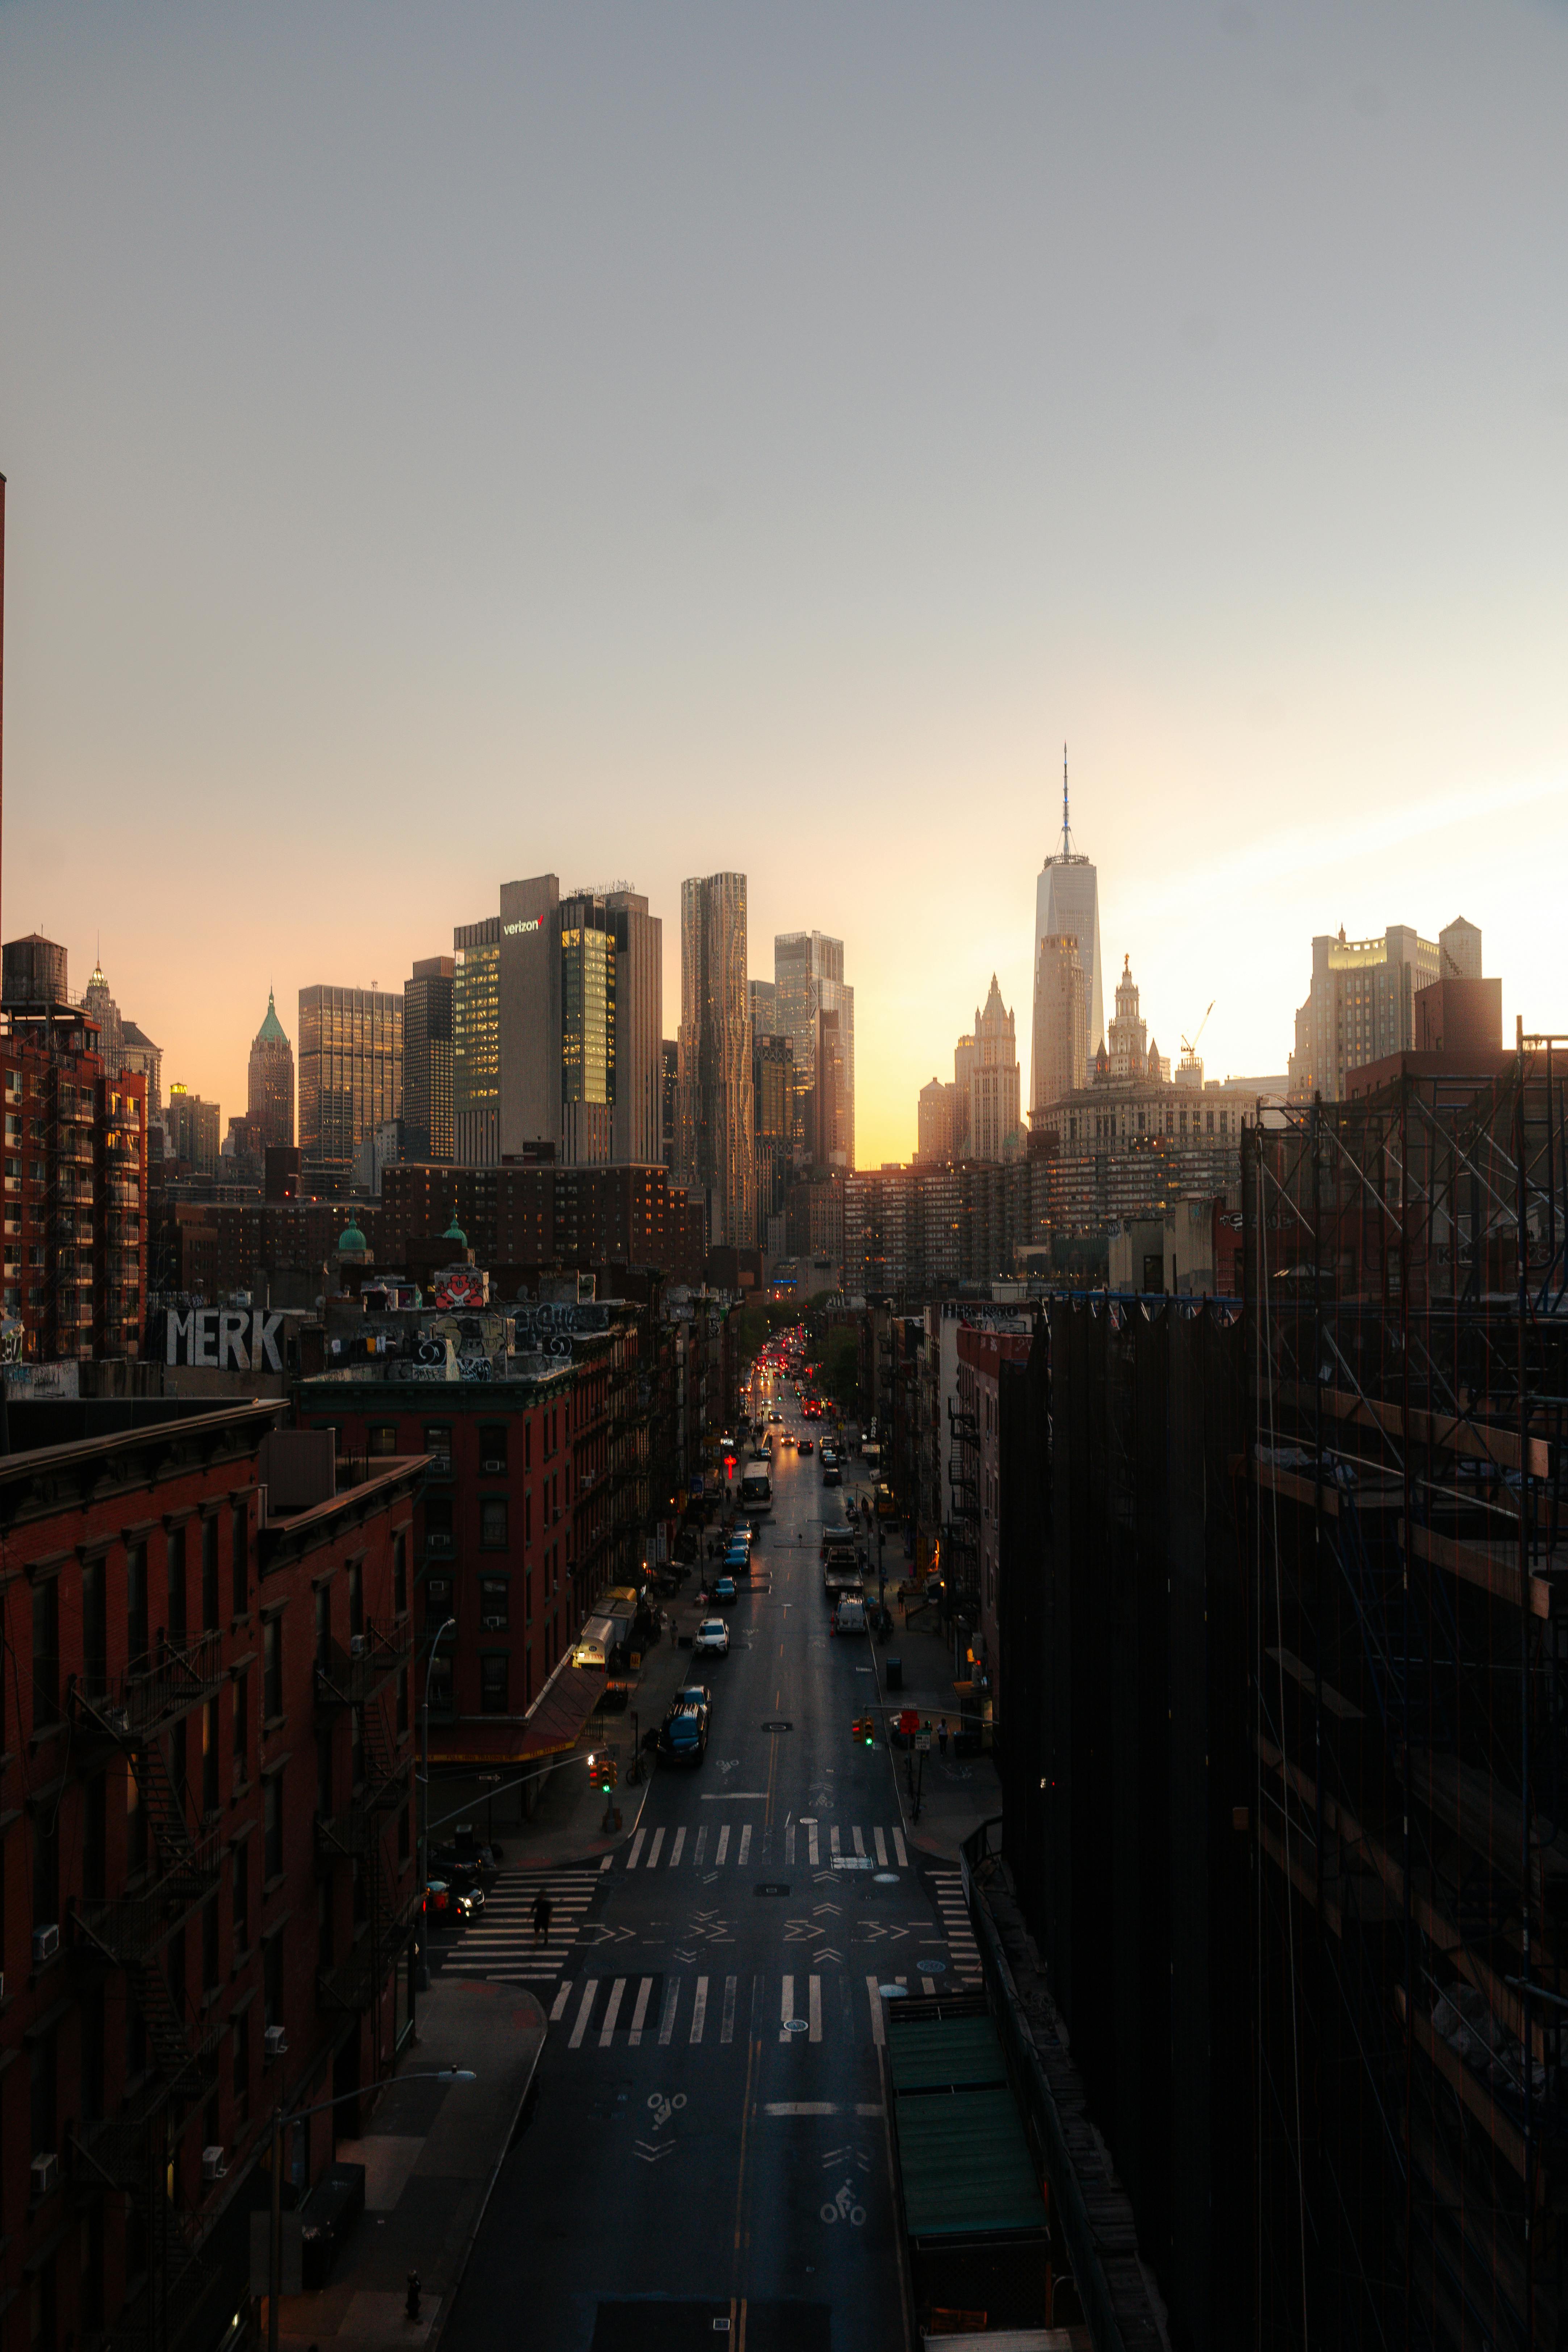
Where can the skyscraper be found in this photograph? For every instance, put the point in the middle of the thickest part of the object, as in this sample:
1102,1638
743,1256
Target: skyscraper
1066,905
773,1122
1061,1019
192,1126
351,1071
97,1000
993,1114
476,1043
808,979
428,1058
269,1092
715,1140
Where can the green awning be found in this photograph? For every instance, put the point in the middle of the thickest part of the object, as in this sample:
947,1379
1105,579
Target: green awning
966,2165
948,2054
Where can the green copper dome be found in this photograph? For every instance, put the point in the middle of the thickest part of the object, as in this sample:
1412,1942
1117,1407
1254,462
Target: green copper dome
350,1240
271,1032
455,1233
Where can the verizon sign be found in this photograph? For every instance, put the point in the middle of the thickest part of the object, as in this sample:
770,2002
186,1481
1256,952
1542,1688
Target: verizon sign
224,1339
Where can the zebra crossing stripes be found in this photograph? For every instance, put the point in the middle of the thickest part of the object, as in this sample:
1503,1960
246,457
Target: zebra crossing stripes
955,1924
595,2010
706,1848
501,1942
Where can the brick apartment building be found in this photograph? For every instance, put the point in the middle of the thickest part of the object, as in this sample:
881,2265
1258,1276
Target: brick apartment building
206,1869
547,1215
75,1255
977,1429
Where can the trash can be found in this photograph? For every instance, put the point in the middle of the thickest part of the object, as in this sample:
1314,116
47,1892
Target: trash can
895,1673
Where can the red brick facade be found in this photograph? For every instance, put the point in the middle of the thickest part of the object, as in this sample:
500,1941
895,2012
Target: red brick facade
206,1799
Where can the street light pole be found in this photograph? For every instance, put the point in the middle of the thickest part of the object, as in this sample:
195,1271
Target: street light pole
424,1975
299,2115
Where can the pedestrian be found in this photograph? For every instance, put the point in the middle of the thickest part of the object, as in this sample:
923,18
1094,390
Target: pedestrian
941,1737
541,1917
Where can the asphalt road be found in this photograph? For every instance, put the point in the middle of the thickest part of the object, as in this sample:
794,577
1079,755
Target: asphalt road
708,2160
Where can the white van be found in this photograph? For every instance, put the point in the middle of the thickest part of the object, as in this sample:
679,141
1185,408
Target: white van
849,1617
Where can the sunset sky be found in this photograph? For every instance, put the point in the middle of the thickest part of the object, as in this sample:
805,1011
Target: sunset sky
633,441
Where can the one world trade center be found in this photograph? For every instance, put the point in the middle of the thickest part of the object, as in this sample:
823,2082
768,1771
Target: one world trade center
1069,1011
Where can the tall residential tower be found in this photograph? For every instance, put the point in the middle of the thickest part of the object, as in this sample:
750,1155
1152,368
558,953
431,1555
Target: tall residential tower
808,982
269,1090
714,1140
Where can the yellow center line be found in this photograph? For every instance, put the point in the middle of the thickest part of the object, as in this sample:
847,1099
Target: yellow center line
753,2048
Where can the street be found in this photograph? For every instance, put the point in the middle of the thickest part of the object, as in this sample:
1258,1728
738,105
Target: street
708,2155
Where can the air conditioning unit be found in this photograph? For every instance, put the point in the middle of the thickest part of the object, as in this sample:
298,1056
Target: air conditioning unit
212,2166
45,2175
46,1945
494,1468
276,2042
356,1646
494,1624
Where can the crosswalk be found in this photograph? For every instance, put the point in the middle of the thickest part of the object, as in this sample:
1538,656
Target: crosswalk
807,1843
616,2013
949,1885
502,1943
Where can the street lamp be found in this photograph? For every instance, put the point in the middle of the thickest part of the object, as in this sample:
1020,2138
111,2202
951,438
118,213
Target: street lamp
299,2115
423,1977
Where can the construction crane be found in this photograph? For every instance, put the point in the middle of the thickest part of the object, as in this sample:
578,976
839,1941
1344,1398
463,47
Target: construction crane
1189,1046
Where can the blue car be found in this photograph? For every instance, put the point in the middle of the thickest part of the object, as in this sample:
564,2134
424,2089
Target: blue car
723,1591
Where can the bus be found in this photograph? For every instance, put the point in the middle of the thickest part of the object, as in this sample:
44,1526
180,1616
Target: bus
756,1488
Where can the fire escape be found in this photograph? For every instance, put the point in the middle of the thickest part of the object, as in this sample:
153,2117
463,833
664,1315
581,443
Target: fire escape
69,1217
356,1679
131,2152
962,1552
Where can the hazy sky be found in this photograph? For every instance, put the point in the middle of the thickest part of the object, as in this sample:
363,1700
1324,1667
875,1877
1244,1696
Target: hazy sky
448,444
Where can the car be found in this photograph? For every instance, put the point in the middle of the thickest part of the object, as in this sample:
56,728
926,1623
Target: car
683,1734
723,1591
711,1639
775,1415
694,1694
806,1446
831,1474
726,1446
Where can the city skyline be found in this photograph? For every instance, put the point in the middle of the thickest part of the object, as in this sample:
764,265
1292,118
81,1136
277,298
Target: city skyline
1298,694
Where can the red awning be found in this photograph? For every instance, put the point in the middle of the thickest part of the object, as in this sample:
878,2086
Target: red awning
552,1725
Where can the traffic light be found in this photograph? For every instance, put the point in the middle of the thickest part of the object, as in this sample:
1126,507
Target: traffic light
855,1731
868,1731
609,1773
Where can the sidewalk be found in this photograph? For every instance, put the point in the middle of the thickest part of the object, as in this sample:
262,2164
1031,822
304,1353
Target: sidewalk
431,2155
567,1825
955,1796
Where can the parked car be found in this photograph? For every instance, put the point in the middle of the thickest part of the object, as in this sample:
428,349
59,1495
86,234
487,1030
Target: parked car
683,1734
849,1617
723,1591
832,1475
445,1907
698,1693
711,1639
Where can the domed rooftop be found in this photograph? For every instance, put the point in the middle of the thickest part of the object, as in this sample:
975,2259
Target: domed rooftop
454,1234
271,1032
352,1241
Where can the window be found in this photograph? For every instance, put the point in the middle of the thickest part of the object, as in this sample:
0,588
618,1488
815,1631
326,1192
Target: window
528,1517
210,1797
495,1601
242,2066
492,1523
400,1574
241,1558
402,1698
135,1828
272,1668
95,1837
492,1683
438,1602
46,1653
439,1681
94,1628
272,1980
241,1866
528,1443
242,1727
178,1618
439,1445
272,1827
136,1608
209,1572
210,1946
381,1438
356,1597
493,1448
323,1626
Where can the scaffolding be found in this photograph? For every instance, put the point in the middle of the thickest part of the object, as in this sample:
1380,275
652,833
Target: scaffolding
1406,1272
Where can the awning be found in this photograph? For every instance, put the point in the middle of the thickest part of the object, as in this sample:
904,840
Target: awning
553,1723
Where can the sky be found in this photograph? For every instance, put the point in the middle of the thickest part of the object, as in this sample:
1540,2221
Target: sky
628,441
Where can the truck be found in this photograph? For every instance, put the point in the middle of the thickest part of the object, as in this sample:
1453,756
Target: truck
756,1487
